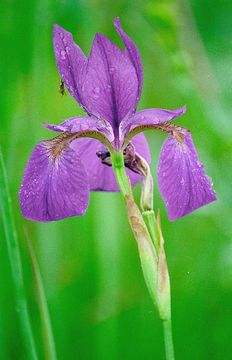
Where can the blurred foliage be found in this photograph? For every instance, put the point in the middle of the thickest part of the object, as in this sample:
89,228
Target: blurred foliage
98,303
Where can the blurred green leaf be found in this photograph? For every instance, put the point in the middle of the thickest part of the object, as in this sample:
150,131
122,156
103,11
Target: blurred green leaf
15,262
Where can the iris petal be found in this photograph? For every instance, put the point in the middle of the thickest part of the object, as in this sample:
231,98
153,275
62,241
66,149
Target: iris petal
55,184
111,85
82,124
181,177
133,53
71,62
148,119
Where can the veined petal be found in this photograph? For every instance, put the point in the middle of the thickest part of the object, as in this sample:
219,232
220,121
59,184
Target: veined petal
133,53
181,177
147,119
71,62
55,184
111,85
101,176
82,124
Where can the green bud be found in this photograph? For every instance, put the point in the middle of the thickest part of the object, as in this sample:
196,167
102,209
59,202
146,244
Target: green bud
147,252
163,281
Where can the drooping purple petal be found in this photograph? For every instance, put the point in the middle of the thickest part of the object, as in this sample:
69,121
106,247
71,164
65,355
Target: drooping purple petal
111,84
148,118
55,184
101,176
181,177
71,62
82,124
133,53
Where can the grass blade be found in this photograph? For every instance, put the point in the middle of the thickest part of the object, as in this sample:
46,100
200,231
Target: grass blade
15,263
49,345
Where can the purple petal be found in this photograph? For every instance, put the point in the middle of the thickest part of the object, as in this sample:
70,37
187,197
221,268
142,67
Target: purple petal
82,124
111,84
182,181
101,176
71,62
133,53
149,118
55,185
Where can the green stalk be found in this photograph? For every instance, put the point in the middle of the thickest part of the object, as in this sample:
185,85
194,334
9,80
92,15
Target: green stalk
147,252
120,173
168,340
15,263
148,234
48,340
163,291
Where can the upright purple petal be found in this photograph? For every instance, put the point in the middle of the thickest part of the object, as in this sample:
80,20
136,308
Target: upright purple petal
71,62
147,119
101,176
111,84
55,185
133,54
181,177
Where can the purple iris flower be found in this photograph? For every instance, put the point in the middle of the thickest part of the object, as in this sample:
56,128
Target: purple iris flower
62,171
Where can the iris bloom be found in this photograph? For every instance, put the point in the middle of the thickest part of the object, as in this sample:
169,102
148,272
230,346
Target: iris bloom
62,171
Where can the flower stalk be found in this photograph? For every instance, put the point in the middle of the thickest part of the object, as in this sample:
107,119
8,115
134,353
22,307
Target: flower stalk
120,174
147,231
163,300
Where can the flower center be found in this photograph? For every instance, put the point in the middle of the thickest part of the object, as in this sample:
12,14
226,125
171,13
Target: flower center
132,160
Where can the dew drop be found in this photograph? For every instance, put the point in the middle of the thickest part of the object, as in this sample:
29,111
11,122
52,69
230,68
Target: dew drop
111,69
96,90
63,54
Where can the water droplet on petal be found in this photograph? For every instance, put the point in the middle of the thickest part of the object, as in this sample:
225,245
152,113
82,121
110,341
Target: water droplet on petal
63,54
111,69
96,92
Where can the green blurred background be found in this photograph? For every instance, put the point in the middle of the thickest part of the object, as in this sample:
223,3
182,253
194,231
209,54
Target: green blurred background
98,302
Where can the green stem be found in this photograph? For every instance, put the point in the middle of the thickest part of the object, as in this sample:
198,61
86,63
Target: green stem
15,263
48,340
150,241
120,173
168,340
150,220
